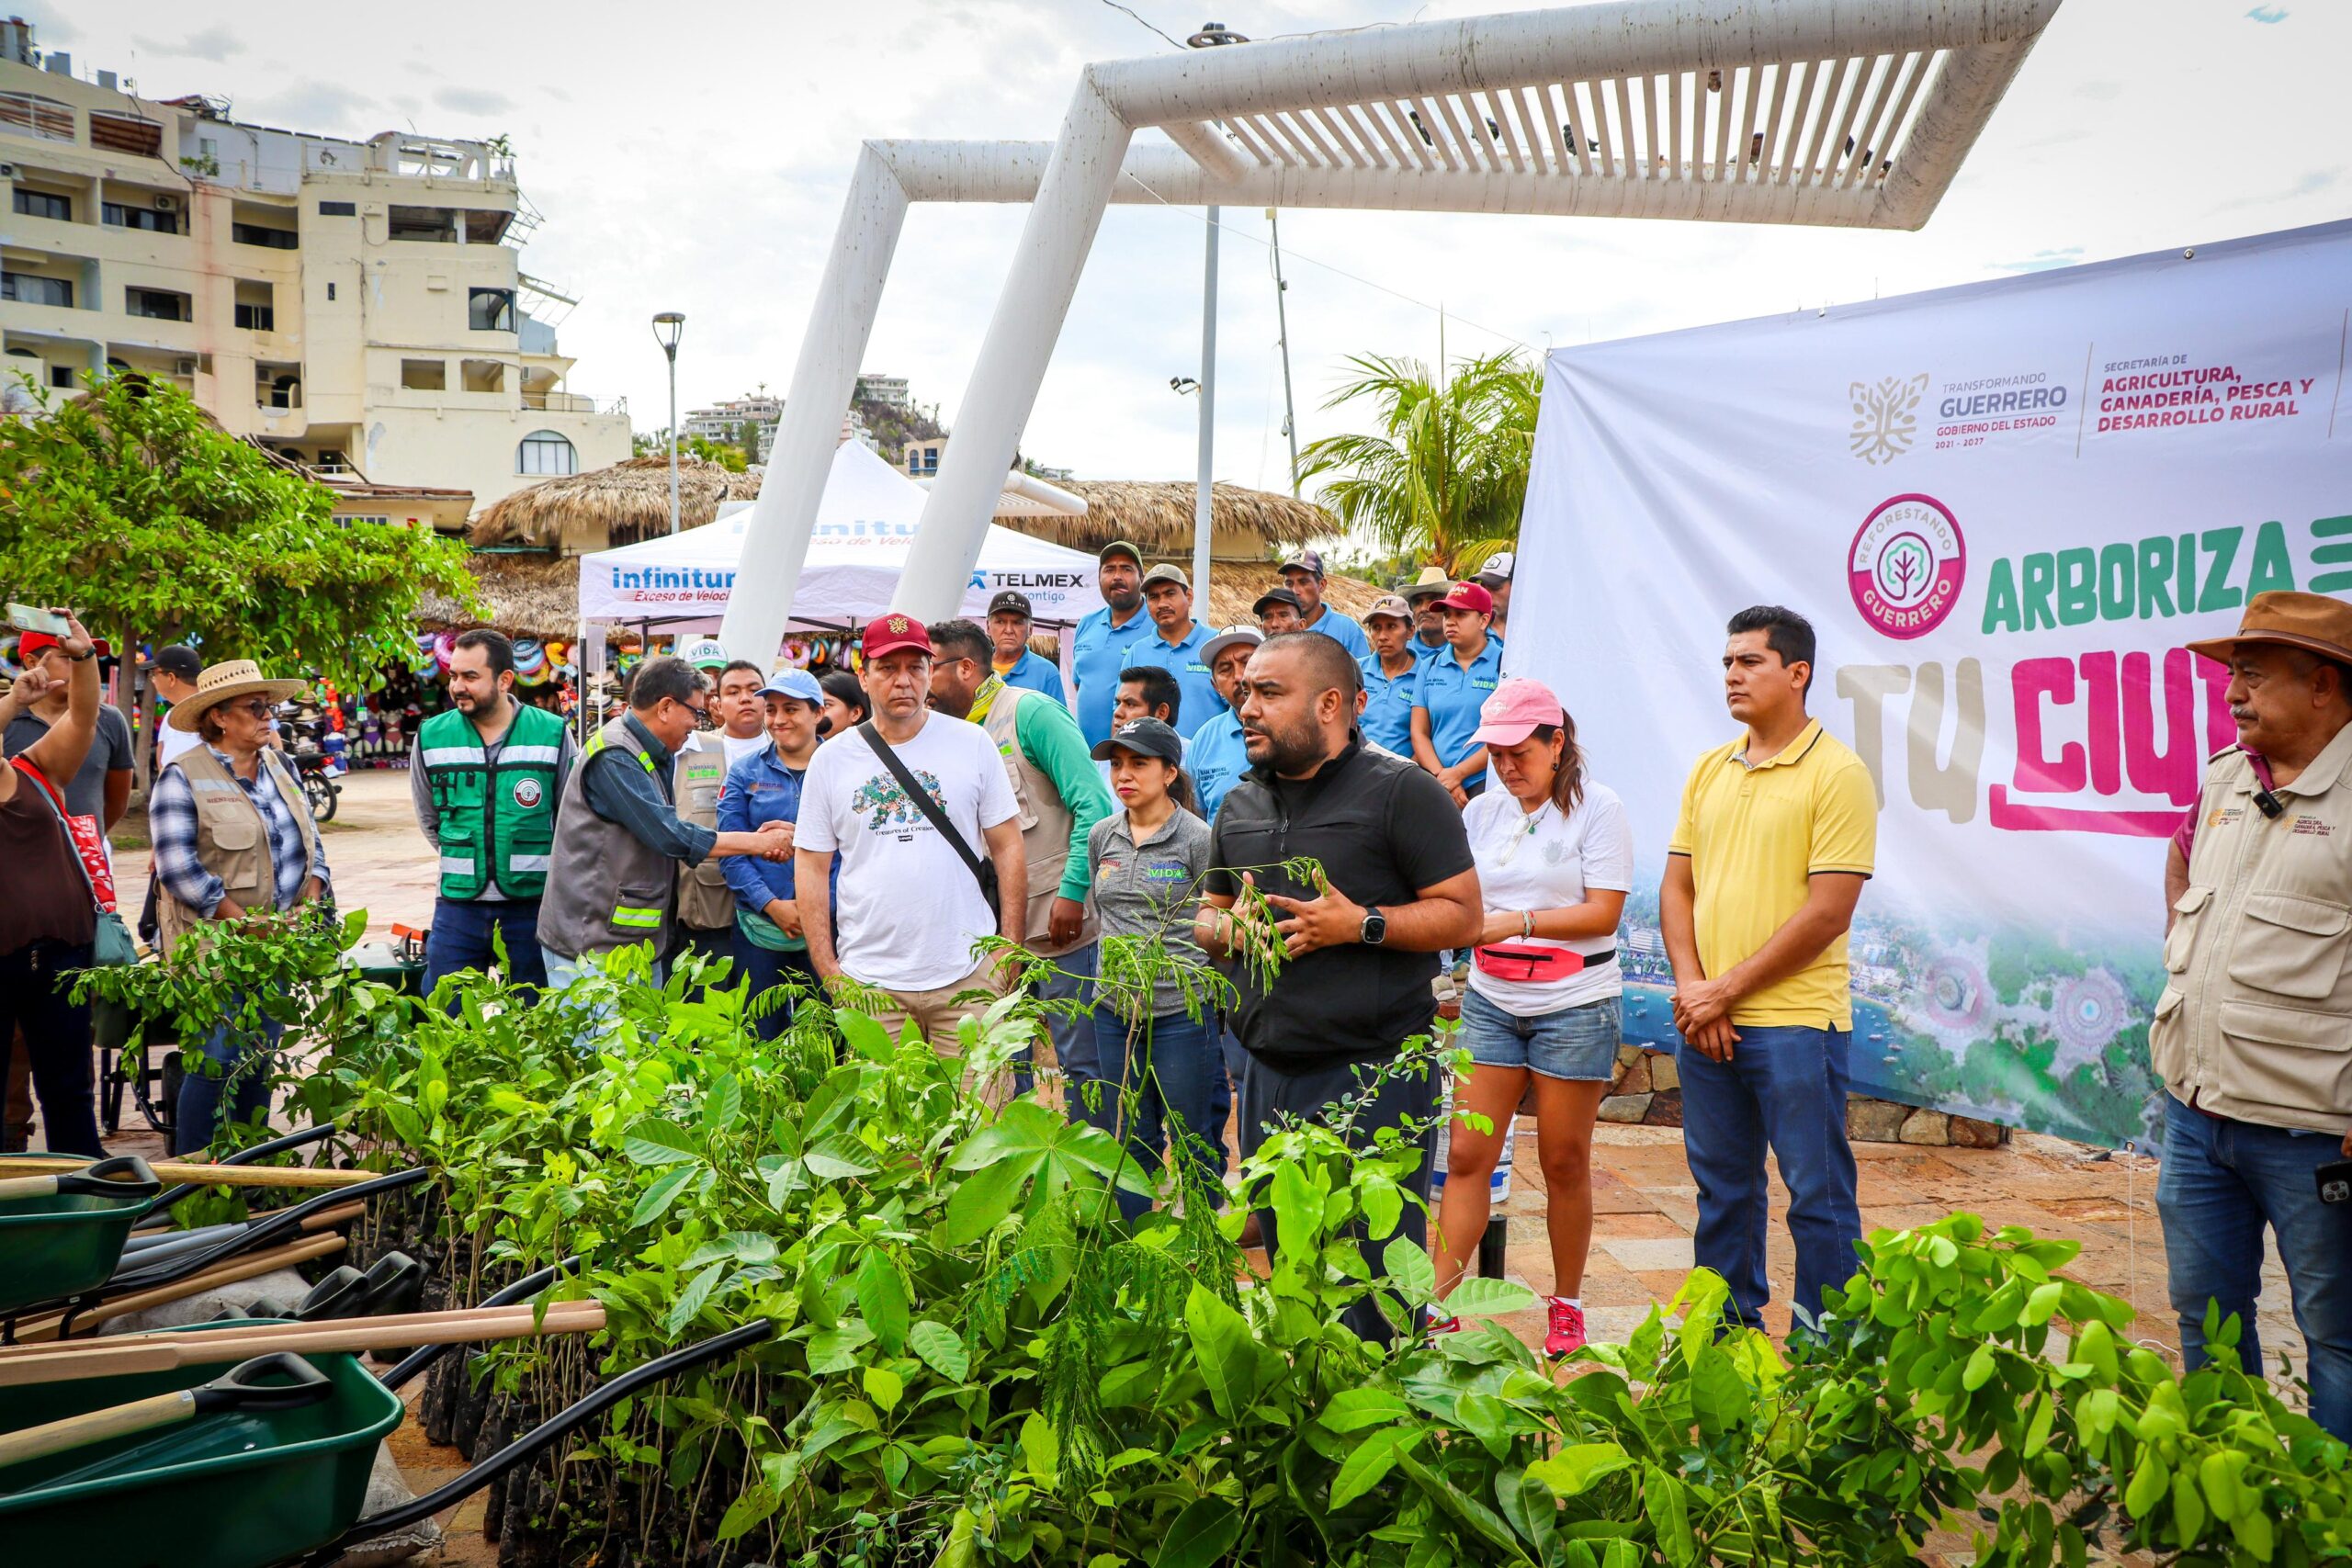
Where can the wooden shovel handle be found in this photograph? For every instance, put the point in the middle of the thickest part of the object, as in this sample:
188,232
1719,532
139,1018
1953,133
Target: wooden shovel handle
96,1426
203,1175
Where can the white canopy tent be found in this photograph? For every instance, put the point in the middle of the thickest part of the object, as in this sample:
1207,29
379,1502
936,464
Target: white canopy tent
866,526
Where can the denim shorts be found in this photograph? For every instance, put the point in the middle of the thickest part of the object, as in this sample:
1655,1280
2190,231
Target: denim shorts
1577,1044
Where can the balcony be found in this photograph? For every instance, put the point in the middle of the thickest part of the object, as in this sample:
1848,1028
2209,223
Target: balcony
562,402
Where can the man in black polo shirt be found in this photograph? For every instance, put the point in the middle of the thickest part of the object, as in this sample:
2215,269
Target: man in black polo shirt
1402,888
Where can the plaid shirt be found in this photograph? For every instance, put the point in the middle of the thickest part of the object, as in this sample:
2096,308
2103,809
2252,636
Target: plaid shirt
171,825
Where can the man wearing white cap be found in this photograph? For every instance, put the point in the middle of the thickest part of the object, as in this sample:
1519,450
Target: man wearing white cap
1303,575
1215,756
1495,578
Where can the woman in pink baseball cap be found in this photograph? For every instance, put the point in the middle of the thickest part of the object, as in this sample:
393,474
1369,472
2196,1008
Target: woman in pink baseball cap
1555,860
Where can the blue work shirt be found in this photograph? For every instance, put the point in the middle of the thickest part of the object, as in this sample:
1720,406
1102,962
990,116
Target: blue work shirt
1452,696
1423,652
1388,705
1183,661
759,788
1345,630
1216,759
1097,653
1037,675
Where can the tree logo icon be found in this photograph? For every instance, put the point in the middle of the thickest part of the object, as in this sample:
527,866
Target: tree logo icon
1886,417
1907,566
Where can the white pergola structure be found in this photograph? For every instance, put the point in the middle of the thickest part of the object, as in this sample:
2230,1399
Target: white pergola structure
1853,113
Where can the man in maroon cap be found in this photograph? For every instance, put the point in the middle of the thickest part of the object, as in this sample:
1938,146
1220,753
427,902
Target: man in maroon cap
101,787
915,892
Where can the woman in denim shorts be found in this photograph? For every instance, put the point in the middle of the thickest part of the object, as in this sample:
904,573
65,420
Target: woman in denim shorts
1555,861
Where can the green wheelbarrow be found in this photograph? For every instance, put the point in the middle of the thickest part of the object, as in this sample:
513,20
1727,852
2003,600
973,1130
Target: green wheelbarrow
253,1489
60,1236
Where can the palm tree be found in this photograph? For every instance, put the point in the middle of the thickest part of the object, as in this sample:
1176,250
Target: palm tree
1446,473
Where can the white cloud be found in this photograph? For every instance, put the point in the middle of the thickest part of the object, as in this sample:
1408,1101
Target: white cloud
699,164
473,101
215,43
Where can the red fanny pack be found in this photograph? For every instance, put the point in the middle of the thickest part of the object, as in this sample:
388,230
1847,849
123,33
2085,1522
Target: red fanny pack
1536,964
89,842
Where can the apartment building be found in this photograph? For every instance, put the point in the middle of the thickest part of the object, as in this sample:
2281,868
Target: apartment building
354,306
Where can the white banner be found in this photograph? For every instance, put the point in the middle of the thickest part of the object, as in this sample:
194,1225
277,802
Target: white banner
2004,507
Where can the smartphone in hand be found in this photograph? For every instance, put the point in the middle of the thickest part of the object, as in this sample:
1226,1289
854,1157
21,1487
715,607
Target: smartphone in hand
32,618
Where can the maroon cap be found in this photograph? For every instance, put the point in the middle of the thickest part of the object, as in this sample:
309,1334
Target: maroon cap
894,632
1468,596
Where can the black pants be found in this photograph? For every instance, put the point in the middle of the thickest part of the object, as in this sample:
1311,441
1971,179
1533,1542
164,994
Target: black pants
36,993
1308,1094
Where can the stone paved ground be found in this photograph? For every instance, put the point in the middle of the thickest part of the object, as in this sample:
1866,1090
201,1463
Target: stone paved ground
1644,1200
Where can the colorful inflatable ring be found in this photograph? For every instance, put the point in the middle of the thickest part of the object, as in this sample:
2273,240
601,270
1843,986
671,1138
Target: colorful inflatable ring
444,645
529,656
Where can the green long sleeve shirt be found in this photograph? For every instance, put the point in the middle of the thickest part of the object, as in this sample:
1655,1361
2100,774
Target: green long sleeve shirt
1051,740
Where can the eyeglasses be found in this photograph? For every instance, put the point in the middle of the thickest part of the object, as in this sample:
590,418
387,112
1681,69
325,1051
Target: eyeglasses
258,706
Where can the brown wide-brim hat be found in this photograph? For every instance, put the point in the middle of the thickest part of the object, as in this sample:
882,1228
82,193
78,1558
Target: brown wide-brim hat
2312,622
220,682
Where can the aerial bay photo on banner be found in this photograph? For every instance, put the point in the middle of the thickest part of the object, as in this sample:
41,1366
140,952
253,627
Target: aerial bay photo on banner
2006,507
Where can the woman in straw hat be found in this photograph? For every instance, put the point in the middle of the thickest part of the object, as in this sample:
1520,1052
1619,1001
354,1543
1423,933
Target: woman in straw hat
233,839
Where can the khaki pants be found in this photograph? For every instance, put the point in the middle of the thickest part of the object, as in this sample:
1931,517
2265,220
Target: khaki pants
937,1015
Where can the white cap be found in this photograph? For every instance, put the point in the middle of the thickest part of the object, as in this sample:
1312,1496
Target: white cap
704,653
1502,563
1226,638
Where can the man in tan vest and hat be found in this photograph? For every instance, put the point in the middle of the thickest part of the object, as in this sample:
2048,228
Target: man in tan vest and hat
2252,1033
1060,795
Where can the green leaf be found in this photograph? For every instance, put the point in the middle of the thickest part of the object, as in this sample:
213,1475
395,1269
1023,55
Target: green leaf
691,1300
1226,1355
1202,1534
659,1143
657,1199
1369,1461
839,1158
1572,1471
2149,1482
1408,1264
1384,1204
2042,1304
980,1203
1040,1447
2254,1533
752,1506
722,1106
1979,1371
865,1036
2187,1508
836,1349
884,1387
1667,1501
882,1299
1352,1409
1298,1208
1478,1296
942,1349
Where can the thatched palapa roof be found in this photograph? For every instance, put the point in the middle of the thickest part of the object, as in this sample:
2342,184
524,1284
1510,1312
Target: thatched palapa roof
625,502
526,596
1156,516
1235,586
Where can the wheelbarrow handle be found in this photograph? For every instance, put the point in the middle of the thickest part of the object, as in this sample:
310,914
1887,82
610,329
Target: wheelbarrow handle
246,1157
523,1448
265,1232
123,1175
521,1290
276,1382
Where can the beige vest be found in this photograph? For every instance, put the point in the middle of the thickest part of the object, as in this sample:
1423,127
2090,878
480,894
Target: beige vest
705,901
232,842
1044,823
2255,1018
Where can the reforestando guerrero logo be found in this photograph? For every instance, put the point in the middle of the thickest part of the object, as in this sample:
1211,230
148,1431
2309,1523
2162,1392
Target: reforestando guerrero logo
1886,417
1906,565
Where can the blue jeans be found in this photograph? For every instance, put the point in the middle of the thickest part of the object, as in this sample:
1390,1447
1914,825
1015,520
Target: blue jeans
461,939
1157,1087
2222,1182
1073,1038
1785,1087
762,969
1575,1044
245,1067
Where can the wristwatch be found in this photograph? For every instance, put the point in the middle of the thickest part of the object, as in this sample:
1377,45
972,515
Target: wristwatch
1375,928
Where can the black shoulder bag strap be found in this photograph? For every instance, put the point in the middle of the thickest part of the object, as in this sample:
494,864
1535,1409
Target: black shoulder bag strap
983,870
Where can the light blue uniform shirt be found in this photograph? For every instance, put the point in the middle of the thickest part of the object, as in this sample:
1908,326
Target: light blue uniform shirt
1216,759
1388,705
1344,630
1038,675
1423,652
1183,661
1097,652
1452,696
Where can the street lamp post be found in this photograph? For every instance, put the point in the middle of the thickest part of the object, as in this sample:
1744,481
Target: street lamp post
668,327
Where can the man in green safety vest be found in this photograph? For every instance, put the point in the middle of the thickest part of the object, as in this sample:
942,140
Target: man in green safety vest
485,779
620,837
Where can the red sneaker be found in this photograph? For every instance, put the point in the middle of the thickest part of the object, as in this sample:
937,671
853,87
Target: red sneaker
1442,1325
1567,1337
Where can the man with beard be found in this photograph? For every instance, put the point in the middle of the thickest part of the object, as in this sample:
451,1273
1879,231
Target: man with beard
487,777
1397,887
1099,647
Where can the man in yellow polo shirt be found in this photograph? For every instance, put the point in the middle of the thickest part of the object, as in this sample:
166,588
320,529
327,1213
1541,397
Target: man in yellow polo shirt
1778,833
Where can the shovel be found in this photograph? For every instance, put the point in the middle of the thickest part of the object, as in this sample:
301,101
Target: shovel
277,1381
124,1176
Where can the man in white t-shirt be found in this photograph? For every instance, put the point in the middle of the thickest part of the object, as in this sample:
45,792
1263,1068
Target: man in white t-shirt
911,906
173,673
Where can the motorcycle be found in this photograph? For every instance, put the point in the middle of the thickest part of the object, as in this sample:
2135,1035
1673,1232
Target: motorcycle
317,754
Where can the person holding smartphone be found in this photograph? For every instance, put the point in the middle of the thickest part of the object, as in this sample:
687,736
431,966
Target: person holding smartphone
48,913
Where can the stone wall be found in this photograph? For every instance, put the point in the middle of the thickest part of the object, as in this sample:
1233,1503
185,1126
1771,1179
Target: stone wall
1648,1092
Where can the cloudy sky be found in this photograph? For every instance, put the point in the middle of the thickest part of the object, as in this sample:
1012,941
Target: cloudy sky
691,157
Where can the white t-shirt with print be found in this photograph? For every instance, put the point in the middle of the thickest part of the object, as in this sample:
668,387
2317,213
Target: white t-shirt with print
1545,861
909,908
739,747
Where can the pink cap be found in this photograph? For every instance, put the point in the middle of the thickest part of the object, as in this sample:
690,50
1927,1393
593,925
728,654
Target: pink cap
1516,710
